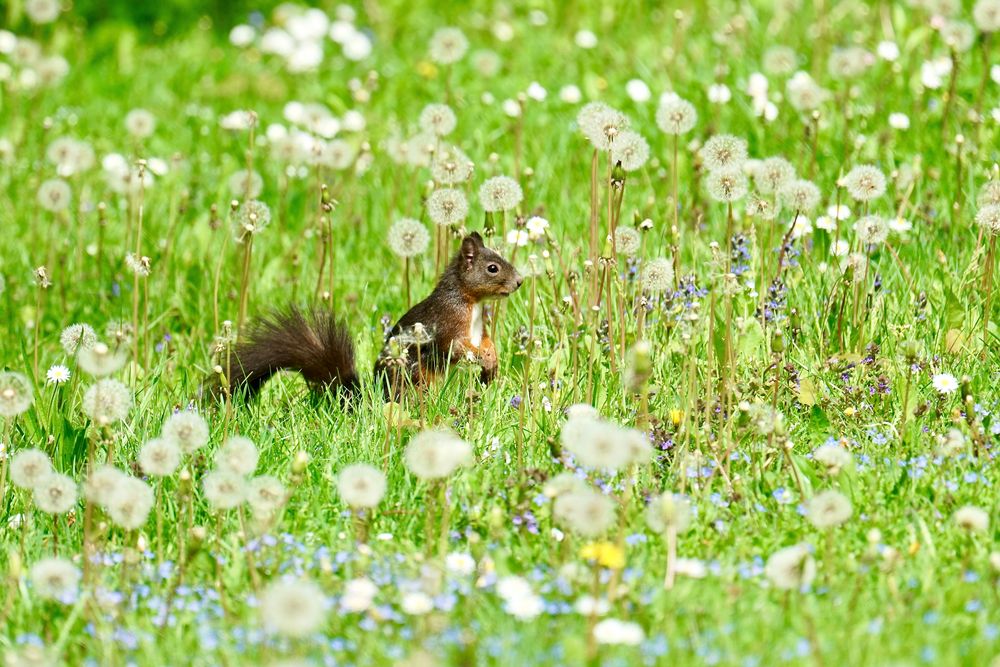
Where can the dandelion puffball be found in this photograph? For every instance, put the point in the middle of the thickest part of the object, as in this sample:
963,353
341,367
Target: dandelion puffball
292,608
55,493
435,454
28,467
55,579
16,394
500,193
238,455
791,568
187,429
865,183
828,509
676,116
408,237
361,485
585,511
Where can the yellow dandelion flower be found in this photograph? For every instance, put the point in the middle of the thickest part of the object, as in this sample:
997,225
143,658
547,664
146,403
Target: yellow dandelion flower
606,554
427,69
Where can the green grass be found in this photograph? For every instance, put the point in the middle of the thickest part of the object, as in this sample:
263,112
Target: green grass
936,603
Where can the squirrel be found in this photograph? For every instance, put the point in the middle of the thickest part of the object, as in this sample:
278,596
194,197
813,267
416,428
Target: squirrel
443,329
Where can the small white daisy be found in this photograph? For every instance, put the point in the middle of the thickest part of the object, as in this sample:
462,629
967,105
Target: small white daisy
945,383
57,374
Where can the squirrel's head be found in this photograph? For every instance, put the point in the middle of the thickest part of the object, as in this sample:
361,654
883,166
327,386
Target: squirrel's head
483,273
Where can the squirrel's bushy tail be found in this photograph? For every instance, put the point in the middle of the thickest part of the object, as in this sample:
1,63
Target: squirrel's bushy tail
314,344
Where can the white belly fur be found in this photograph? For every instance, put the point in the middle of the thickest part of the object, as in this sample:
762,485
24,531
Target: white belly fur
476,326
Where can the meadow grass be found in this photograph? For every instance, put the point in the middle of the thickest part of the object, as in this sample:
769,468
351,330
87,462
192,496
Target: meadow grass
840,405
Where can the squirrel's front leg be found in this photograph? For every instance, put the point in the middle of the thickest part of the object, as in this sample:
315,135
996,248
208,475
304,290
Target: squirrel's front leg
487,360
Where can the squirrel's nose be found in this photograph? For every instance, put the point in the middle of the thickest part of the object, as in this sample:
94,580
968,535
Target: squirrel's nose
519,279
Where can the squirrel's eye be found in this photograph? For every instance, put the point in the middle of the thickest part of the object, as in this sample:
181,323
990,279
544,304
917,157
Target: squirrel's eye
493,268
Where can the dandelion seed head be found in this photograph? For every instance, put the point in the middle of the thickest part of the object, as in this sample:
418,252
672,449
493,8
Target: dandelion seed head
448,45
41,12
800,195
601,124
855,262
630,149
107,401
359,594
292,608
564,482
849,62
584,511
951,444
627,241
865,182
99,359
989,193
791,568
872,230
669,511
29,467
361,485
658,275
447,207
246,184
487,63
187,429
54,195
408,237
804,94
435,454
988,217
224,489
723,151
596,443
140,123
972,519
238,454
828,509
55,578
780,60
338,154
958,35
727,184
265,495
986,15
676,116
55,493
500,193
832,457
16,394
251,218
451,166
130,503
437,119
772,173
159,457
762,208
102,482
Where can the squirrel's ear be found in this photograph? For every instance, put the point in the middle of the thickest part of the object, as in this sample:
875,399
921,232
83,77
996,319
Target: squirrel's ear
470,248
478,239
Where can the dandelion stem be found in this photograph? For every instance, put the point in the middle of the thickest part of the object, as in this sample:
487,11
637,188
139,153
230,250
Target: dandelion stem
949,101
678,234
989,266
671,573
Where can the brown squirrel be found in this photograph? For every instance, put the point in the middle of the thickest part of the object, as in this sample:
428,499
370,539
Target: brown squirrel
442,329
